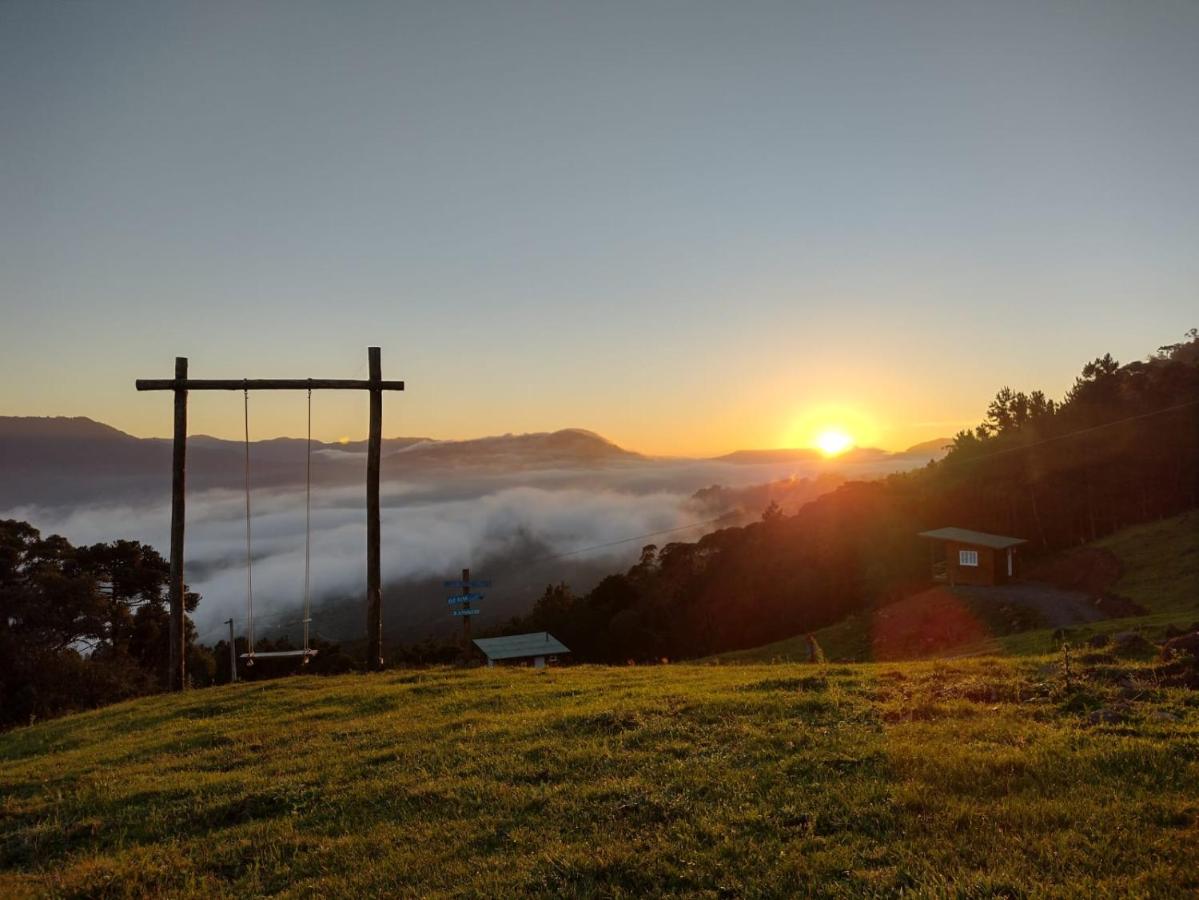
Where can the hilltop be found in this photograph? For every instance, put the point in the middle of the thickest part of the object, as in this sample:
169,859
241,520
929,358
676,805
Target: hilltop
58,427
971,779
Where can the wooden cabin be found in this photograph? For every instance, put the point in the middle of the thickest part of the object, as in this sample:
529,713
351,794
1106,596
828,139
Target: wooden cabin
973,557
537,648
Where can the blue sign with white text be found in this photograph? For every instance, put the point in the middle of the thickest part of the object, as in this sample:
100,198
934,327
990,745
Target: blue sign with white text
464,598
469,611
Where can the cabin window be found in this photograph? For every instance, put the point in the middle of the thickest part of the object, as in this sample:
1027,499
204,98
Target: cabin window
967,557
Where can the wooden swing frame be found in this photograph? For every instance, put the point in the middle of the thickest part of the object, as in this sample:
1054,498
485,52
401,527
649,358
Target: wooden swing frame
181,385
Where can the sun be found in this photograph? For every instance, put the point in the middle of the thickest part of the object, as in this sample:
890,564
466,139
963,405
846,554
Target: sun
833,441
830,428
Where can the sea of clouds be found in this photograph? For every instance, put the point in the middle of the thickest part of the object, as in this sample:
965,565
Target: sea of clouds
431,529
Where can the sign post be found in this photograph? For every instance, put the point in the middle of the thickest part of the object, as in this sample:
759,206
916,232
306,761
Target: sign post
462,600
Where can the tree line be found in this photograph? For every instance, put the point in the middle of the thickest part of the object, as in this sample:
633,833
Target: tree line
81,627
1121,447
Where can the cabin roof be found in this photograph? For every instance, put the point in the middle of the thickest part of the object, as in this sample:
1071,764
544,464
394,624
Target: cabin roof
966,536
516,646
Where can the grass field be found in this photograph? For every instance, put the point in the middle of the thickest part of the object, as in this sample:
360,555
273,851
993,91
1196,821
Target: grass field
1161,573
975,778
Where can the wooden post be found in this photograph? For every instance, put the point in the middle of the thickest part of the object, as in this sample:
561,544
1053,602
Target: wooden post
374,589
232,653
177,673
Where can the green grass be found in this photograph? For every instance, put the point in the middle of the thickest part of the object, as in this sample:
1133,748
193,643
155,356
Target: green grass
979,777
976,778
1161,564
1161,574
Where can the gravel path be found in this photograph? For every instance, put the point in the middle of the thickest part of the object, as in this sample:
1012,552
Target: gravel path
1059,608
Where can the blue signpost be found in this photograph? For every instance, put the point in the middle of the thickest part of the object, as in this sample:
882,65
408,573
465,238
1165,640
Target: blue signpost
463,600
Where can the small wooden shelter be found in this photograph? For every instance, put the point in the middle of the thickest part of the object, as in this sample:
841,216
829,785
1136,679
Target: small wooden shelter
974,557
538,647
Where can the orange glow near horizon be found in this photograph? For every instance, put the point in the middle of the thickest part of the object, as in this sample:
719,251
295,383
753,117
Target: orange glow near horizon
753,417
832,429
833,441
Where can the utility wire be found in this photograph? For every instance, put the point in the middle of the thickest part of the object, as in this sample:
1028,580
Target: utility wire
1059,437
649,534
617,543
998,452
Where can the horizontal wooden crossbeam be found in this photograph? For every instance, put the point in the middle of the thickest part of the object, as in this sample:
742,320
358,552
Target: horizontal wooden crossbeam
265,384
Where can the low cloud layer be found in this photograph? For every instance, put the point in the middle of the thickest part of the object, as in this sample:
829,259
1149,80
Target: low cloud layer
431,529
422,537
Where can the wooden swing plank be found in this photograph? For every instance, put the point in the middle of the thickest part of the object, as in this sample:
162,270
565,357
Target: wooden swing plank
277,653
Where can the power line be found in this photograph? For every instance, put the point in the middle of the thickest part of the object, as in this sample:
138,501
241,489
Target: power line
649,534
275,621
999,452
628,540
1090,428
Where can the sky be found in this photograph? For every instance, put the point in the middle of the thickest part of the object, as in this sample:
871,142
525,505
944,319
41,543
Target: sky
692,227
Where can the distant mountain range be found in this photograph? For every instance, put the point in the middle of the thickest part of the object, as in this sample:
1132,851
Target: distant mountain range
799,455
935,448
58,460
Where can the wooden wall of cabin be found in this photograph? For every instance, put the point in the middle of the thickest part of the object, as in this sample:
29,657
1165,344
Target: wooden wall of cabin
991,568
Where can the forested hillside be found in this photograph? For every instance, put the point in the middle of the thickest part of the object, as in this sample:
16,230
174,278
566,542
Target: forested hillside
1121,447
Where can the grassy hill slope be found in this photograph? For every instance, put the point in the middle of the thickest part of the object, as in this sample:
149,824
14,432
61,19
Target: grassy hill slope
976,778
1160,562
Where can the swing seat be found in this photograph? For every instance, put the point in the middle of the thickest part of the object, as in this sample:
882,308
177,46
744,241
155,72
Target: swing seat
275,654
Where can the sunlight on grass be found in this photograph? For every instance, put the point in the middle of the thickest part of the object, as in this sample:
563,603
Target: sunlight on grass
978,777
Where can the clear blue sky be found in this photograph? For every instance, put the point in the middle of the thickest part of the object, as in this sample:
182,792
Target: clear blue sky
689,226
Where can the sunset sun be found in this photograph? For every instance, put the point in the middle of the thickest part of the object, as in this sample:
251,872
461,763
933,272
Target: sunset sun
833,441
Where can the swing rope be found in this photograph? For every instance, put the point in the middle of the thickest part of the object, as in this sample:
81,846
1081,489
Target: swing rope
307,652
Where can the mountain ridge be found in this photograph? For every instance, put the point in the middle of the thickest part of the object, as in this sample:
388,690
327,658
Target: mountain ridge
56,459
86,427
59,426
